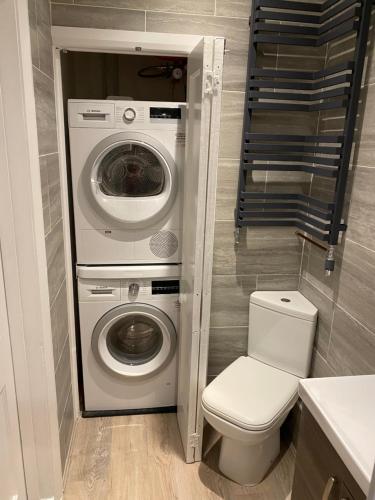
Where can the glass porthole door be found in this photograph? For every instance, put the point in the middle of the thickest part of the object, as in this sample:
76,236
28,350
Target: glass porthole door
134,340
133,178
131,170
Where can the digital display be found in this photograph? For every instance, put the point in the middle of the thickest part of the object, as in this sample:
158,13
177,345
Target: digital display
165,287
166,113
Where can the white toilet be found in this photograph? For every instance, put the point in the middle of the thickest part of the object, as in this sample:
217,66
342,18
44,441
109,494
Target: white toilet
248,402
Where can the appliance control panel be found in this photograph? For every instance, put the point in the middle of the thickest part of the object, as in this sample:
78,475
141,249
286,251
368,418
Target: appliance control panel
133,289
128,115
126,290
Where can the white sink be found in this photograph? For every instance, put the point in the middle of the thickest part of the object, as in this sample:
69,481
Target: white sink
344,407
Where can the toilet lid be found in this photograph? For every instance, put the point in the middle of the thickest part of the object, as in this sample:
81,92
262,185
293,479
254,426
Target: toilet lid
251,394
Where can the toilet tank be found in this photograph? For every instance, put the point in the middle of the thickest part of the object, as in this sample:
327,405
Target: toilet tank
281,330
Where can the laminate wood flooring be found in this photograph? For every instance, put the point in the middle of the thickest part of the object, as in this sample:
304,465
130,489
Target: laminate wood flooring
139,457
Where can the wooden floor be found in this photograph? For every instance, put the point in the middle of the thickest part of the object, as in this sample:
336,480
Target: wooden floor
140,458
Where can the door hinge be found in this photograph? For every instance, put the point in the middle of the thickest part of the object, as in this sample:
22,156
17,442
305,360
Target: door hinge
212,82
209,82
194,440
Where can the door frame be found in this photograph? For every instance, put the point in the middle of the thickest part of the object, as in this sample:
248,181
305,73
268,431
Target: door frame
25,271
143,43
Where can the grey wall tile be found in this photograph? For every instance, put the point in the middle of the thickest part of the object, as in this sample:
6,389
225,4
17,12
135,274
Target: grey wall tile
54,188
226,345
320,367
121,4
63,381
361,221
364,151
226,192
45,54
288,182
273,254
277,282
45,113
66,430
313,270
97,17
352,348
230,300
175,6
231,124
43,16
45,195
234,70
59,322
55,259
325,307
357,292
291,122
233,8
236,31
301,58
33,32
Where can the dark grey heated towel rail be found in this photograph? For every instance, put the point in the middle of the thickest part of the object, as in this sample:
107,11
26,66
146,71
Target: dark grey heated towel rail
306,24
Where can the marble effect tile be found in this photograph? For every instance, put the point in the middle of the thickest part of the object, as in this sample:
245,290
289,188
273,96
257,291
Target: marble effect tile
226,345
45,54
352,347
97,17
176,6
226,192
319,367
258,252
66,430
45,113
269,282
231,124
55,259
59,322
45,196
230,300
33,32
63,381
325,307
356,292
233,8
361,222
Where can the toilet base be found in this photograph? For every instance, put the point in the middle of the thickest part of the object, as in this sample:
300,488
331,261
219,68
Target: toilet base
247,463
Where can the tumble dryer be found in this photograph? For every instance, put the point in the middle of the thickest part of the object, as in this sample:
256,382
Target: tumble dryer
129,324
126,163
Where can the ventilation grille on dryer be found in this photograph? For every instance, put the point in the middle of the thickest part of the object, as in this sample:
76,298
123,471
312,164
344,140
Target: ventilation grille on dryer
164,244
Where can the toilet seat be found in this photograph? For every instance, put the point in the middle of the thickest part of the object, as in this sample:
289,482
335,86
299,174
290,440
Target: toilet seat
251,395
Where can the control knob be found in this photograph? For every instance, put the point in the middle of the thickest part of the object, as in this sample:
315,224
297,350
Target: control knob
129,115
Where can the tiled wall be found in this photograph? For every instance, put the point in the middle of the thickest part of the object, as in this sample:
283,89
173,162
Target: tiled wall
40,28
345,342
264,259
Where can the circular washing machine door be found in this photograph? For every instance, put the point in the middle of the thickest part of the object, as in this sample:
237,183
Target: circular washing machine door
133,178
134,340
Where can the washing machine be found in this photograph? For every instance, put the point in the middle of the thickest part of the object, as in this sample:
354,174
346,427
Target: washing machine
127,168
129,327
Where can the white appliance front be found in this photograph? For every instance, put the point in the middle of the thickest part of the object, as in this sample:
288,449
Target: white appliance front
126,165
129,333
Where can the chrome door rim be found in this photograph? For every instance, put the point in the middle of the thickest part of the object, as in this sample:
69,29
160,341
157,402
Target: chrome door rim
113,365
165,199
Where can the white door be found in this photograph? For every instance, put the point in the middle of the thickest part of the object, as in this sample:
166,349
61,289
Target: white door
195,185
12,483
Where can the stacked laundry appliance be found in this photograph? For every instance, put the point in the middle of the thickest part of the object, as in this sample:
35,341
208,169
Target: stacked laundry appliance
127,162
